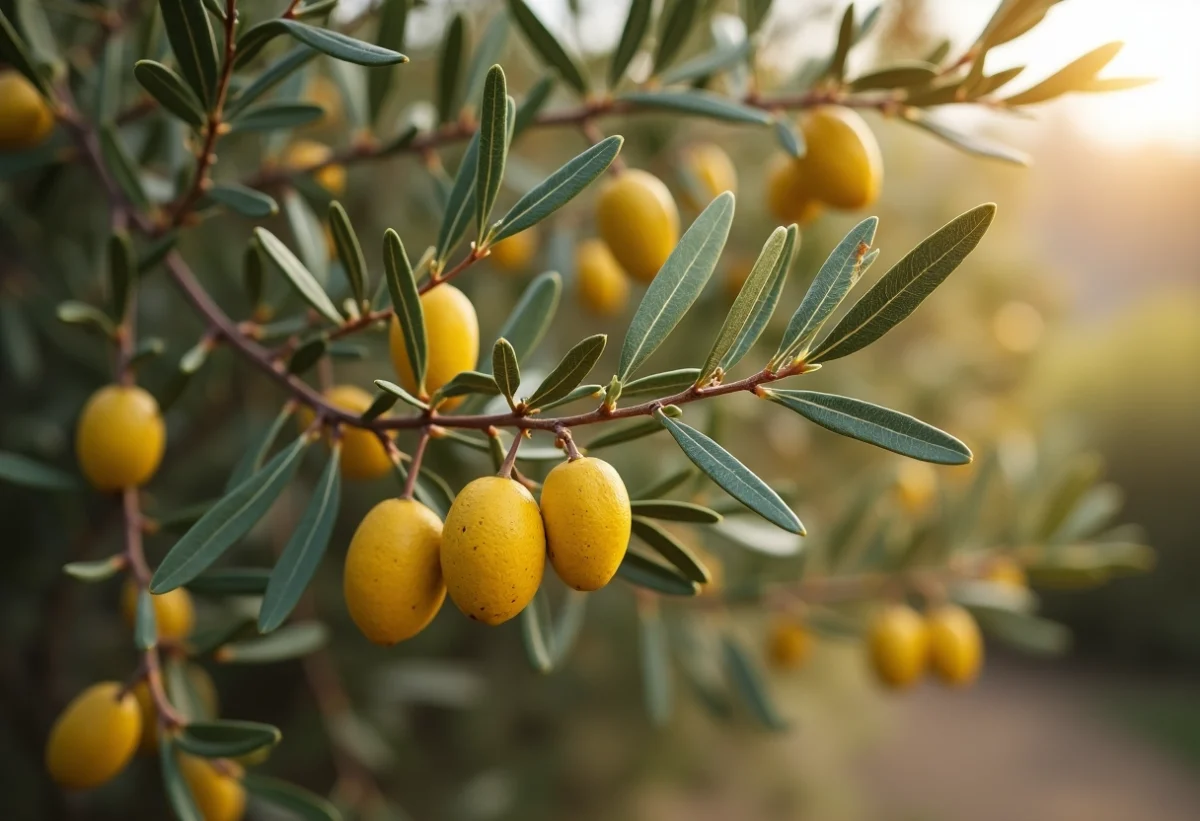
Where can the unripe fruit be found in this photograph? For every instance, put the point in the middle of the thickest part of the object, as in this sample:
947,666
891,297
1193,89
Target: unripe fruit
120,437
513,254
841,162
307,153
1004,570
639,222
174,613
585,508
603,286
916,487
393,576
25,116
363,455
452,329
789,196
789,644
219,796
493,549
709,172
94,737
899,646
955,645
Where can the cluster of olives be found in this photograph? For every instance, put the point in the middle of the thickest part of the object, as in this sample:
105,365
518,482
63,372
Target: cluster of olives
903,644
841,168
490,554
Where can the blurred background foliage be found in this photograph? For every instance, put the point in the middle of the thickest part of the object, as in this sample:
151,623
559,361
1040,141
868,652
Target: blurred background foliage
1066,344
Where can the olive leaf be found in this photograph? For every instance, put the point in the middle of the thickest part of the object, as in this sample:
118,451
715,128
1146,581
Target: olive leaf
335,44
349,251
698,103
231,581
227,521
731,475
643,571
764,307
145,626
674,510
752,293
506,371
876,425
226,738
657,384
671,549
677,285
300,802
575,365
300,278
398,392
904,287
288,642
460,204
1075,76
393,19
830,286
304,550
450,60
637,23
656,656
547,46
493,146
242,200
406,300
677,22
169,90
748,681
190,34
270,77
535,98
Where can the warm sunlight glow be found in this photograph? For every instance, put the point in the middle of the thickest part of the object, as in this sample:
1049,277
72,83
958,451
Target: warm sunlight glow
1160,41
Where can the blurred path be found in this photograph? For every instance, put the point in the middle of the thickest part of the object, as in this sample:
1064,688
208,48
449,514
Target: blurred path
1026,743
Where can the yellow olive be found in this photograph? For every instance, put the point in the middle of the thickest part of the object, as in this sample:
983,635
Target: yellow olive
363,455
586,511
789,196
789,644
324,92
513,254
493,549
393,576
1005,570
174,613
25,116
307,153
603,286
203,708
216,787
841,163
120,437
639,222
916,486
94,737
899,646
955,645
709,171
452,331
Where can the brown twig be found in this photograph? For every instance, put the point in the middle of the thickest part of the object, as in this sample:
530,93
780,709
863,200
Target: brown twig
414,467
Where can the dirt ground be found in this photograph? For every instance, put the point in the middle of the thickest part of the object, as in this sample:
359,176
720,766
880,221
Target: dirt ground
1034,744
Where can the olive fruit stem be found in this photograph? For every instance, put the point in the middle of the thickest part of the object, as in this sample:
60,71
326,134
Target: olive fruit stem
410,481
564,434
510,460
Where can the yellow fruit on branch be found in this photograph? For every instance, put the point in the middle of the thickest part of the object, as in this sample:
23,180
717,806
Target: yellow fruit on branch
120,437
513,254
789,644
638,220
789,196
452,331
708,172
602,286
306,154
363,455
585,508
94,737
174,613
25,117
955,645
916,487
493,549
216,787
392,580
1005,570
899,645
842,164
